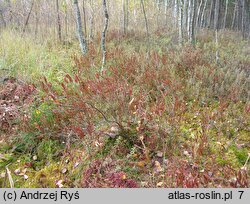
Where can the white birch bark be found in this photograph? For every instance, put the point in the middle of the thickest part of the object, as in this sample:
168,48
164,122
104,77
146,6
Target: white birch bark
104,32
203,14
82,41
192,34
198,15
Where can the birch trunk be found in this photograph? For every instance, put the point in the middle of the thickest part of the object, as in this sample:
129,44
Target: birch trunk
192,36
197,23
82,41
203,14
104,32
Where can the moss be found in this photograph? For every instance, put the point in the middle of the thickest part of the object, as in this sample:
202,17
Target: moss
221,161
240,153
45,178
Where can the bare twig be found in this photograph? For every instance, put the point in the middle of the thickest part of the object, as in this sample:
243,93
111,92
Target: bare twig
98,110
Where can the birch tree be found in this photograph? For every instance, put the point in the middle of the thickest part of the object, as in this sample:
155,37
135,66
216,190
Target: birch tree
203,14
82,41
197,23
192,35
56,17
191,21
103,44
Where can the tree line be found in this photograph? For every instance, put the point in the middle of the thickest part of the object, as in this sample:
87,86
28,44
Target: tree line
92,18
